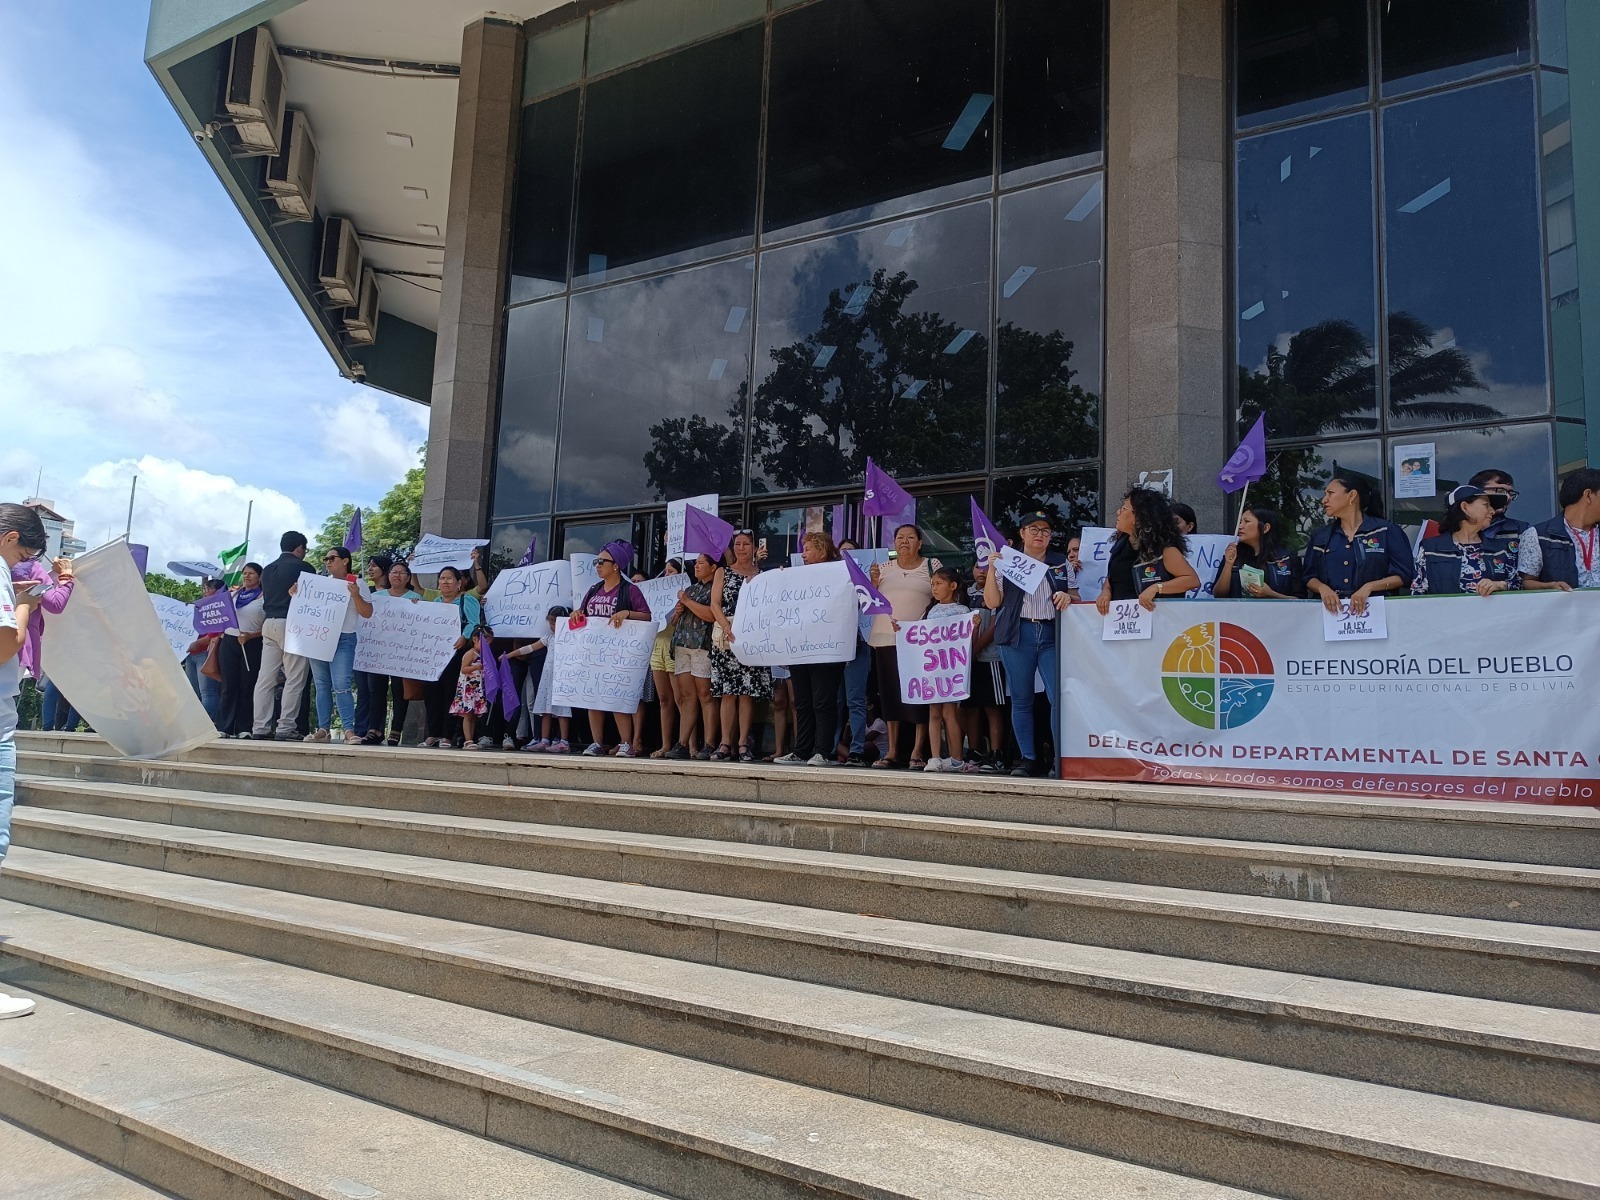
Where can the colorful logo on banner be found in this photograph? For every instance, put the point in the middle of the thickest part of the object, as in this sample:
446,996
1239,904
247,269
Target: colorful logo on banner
1217,675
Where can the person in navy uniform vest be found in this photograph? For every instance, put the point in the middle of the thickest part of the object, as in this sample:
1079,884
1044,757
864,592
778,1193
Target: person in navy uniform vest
1463,557
1260,547
1358,553
1502,491
1561,554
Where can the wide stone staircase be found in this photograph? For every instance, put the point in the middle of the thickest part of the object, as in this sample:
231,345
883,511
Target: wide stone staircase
292,971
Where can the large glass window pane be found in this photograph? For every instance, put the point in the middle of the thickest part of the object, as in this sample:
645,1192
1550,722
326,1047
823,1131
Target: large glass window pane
1296,476
1298,59
874,343
1072,498
1429,42
669,160
542,219
1521,451
1054,96
587,538
636,29
1047,399
554,60
508,541
876,109
657,375
530,396
1306,291
1466,292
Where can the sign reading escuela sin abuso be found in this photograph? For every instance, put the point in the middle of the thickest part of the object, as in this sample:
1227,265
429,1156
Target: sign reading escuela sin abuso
1467,698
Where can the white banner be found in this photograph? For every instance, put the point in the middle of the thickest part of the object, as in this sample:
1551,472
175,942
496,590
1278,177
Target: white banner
413,639
112,659
519,599
433,553
1204,554
1468,698
675,517
661,594
316,614
177,622
935,659
797,615
598,666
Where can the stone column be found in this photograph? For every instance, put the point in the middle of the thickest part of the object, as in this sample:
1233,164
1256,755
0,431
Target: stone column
466,375
1167,266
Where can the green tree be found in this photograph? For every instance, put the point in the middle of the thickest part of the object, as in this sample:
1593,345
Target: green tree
187,590
392,527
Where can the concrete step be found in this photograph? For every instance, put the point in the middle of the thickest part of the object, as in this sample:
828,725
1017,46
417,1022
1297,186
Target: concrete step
35,1168
1507,832
1525,964
683,1127
1533,893
1256,1127
204,1126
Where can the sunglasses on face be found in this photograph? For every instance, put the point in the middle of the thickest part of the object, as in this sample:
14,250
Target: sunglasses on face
610,561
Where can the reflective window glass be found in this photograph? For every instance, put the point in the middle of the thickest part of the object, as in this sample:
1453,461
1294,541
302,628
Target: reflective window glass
669,160
636,29
874,343
530,396
1466,330
542,217
1296,476
508,541
1521,451
657,375
1047,399
1054,93
1553,33
945,519
876,109
554,59
1306,287
588,537
1299,59
1429,42
1072,498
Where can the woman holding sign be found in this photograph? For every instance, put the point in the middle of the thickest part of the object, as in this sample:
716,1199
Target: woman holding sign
906,581
816,685
1259,565
613,599
1357,553
438,694
334,679
736,685
1146,558
1025,631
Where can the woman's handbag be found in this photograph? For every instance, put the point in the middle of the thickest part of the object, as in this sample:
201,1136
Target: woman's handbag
719,637
212,667
411,689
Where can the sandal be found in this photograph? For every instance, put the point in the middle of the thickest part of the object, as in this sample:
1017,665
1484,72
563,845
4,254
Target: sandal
919,764
722,753
661,753
745,756
430,743
886,764
394,740
373,738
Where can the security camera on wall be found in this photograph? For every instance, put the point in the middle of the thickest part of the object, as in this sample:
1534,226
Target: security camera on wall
255,98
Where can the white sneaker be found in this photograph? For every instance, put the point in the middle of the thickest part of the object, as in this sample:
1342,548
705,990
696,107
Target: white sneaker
625,751
934,764
595,750
14,1006
790,759
816,760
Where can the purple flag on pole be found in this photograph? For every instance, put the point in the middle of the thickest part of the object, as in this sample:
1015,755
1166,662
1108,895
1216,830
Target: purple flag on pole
884,497
1249,461
215,613
509,700
491,670
528,559
838,523
141,557
705,533
352,536
986,539
871,600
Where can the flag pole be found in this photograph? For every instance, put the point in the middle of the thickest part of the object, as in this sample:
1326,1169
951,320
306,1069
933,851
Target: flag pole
250,508
127,534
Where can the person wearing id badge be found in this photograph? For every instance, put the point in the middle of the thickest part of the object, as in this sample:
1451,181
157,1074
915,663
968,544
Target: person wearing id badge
1358,553
1563,553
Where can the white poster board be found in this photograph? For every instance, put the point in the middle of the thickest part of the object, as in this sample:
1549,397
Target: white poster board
316,614
661,594
584,576
1020,570
177,622
520,598
796,616
935,659
708,503
1128,621
112,658
1345,626
1204,555
414,639
599,666
434,553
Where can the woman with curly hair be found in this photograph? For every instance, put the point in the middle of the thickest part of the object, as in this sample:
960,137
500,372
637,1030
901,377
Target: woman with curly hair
1146,554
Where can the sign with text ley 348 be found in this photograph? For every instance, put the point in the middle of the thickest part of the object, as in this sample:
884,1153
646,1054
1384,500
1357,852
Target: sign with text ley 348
1467,699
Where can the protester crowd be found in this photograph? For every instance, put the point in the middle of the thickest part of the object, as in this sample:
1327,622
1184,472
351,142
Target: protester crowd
702,702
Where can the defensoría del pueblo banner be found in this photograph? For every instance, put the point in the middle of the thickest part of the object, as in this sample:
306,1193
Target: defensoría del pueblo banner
1467,698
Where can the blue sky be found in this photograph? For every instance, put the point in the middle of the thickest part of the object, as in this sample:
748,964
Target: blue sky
142,330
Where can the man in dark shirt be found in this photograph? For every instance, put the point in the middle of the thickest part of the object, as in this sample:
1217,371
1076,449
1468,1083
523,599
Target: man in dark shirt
276,579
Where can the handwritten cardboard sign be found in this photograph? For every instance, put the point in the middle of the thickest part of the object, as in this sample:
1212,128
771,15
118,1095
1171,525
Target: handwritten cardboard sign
935,659
675,518
661,594
434,553
413,639
316,615
177,621
1128,621
796,616
599,666
1372,625
1020,570
518,599
584,576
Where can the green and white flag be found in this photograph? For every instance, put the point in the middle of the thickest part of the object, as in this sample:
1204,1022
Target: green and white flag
233,564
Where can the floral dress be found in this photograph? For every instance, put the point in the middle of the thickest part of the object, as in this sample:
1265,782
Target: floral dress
470,699
729,676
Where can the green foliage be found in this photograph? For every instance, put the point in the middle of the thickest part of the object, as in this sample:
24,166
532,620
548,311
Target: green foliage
392,527
187,590
30,703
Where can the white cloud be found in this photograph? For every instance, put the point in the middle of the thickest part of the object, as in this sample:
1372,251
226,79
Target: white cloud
376,436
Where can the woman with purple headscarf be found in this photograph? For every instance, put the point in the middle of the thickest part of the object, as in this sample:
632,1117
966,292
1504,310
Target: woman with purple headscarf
613,599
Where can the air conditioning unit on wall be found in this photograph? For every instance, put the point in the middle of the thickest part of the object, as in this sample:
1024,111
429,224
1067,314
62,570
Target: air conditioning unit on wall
361,321
292,175
339,266
254,99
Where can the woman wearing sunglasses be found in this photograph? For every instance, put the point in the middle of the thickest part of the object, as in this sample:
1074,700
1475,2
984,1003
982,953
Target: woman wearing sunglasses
613,599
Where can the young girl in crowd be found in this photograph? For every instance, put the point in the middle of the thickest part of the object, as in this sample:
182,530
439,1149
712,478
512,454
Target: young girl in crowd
946,587
470,703
536,695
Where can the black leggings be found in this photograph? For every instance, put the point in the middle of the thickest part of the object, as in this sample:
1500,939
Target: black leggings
816,709
437,695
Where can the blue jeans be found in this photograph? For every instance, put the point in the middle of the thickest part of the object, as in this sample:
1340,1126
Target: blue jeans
1035,649
855,696
8,791
56,713
333,681
211,697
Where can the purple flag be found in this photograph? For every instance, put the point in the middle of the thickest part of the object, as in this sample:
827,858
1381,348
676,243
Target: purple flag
528,559
491,672
871,600
215,614
838,523
352,536
141,557
705,533
510,701
986,539
1249,461
884,497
